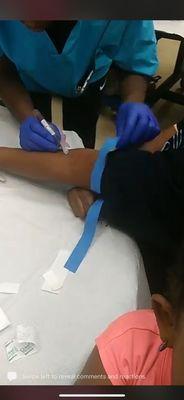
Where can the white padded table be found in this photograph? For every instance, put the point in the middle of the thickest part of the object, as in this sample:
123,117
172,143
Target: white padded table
174,27
35,223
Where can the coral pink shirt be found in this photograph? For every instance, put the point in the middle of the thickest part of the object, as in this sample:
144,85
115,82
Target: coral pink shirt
129,351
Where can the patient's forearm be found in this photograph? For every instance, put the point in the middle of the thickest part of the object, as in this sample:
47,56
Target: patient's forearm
73,169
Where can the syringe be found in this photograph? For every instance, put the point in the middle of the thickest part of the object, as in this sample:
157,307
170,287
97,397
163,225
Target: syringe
46,125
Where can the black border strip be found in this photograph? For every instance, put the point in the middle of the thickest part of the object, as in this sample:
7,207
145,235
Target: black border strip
52,392
85,9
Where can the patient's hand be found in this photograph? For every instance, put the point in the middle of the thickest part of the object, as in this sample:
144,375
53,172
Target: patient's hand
80,201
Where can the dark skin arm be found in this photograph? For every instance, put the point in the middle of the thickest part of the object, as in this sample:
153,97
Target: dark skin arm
133,88
13,92
73,169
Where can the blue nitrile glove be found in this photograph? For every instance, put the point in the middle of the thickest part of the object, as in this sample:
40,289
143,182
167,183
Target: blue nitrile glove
135,124
34,137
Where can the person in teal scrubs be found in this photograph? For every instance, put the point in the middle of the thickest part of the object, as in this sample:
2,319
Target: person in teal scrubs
71,59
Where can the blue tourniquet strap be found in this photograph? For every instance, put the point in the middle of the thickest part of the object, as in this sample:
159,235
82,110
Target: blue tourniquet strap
93,214
85,241
98,169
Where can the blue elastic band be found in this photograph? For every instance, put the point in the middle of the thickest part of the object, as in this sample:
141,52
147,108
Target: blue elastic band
85,241
98,169
93,214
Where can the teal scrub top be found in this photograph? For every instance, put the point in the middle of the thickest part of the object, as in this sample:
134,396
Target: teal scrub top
93,45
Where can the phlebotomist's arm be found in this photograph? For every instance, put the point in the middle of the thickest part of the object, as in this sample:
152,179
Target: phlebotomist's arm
137,58
13,92
17,99
134,88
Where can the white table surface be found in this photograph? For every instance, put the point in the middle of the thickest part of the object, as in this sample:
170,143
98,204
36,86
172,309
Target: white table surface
176,27
35,223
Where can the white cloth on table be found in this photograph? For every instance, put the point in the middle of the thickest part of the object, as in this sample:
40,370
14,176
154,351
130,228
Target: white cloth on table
174,27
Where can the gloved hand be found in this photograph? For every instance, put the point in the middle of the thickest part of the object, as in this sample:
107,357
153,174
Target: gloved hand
34,137
135,124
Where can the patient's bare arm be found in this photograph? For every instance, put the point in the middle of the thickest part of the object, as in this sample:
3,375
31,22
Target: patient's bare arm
74,169
158,143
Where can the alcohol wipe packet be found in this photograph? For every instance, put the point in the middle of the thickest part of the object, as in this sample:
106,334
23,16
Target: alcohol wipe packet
24,344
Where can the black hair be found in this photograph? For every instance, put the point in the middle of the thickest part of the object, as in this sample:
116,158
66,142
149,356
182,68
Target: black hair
175,282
